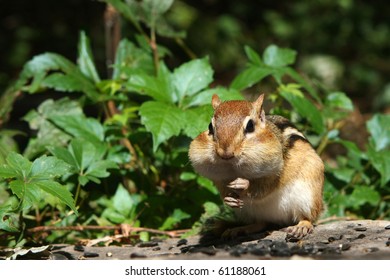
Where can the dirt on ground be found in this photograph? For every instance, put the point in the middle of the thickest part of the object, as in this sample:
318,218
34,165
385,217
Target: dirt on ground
361,239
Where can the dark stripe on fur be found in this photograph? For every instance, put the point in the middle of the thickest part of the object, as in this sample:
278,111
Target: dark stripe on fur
280,122
295,137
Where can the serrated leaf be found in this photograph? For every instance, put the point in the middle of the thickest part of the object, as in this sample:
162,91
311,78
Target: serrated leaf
64,154
278,57
197,120
162,120
64,70
85,59
303,106
19,164
250,76
191,77
83,152
48,134
48,167
160,88
81,127
27,192
59,191
38,67
379,128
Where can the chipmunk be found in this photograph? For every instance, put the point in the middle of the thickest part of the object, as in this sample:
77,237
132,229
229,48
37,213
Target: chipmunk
263,167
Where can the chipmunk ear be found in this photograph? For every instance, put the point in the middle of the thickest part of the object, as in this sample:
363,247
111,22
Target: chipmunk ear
258,105
215,101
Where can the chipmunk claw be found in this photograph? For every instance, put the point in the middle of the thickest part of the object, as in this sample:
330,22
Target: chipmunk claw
239,184
300,230
233,202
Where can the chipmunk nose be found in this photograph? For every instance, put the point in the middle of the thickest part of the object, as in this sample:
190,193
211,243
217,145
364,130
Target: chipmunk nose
225,153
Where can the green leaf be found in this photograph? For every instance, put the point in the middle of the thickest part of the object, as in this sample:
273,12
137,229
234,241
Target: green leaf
379,128
48,134
344,174
204,97
207,184
197,120
303,106
83,152
176,217
339,100
250,76
33,177
131,60
162,120
61,71
46,167
85,59
99,168
59,191
64,154
80,126
27,192
362,195
7,172
381,162
191,77
154,87
19,164
157,7
187,176
278,57
124,202
300,80
253,56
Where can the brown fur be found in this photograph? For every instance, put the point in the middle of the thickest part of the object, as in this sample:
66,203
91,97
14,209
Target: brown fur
280,175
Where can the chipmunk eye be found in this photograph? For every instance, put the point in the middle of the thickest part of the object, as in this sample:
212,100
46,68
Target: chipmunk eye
250,126
211,129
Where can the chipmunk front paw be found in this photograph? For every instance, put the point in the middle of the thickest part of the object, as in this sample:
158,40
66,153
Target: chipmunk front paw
239,184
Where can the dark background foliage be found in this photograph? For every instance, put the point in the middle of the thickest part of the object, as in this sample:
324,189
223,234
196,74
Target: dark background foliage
353,36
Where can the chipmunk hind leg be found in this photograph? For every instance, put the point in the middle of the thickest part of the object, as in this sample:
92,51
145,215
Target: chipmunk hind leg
300,230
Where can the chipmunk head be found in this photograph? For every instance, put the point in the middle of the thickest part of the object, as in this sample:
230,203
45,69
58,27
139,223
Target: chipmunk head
233,123
238,142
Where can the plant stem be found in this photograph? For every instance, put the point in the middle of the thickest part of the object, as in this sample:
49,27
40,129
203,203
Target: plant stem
186,49
78,190
324,142
153,46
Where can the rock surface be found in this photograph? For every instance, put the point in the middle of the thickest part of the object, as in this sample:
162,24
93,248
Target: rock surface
363,239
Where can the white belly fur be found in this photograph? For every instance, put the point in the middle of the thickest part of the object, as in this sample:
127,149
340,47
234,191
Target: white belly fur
285,206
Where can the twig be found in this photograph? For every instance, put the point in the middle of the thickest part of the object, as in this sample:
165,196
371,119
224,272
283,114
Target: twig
334,219
173,233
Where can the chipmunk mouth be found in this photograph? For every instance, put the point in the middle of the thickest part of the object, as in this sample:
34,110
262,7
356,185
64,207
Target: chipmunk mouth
225,155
